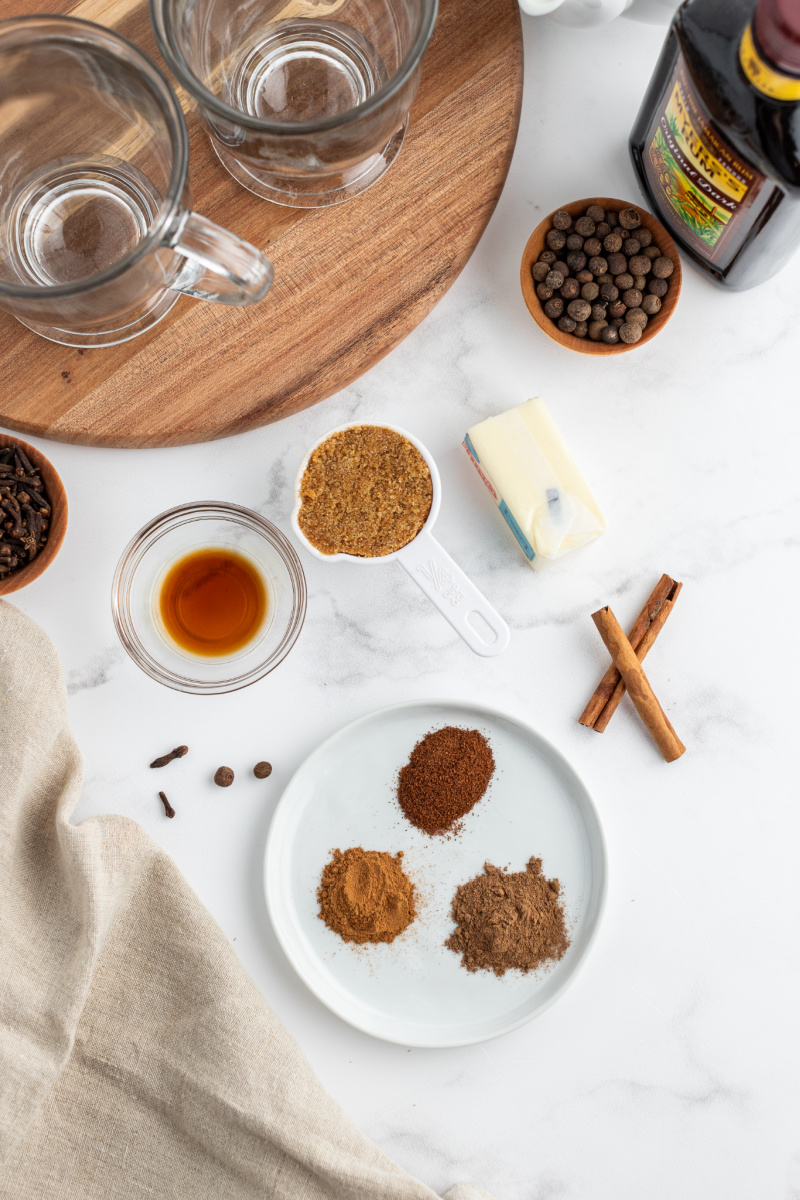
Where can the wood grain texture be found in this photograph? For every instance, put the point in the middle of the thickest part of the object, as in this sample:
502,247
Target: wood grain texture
535,246
350,281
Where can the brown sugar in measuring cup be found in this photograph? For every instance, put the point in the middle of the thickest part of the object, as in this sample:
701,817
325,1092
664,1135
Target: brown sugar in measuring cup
428,564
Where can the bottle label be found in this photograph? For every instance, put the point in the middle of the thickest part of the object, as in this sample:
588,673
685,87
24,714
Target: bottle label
764,77
701,183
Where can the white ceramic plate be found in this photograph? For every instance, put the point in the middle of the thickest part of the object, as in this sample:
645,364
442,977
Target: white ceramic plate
414,991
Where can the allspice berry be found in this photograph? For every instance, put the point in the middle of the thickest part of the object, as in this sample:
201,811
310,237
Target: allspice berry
612,243
543,292
632,298
584,276
592,246
644,237
629,218
223,777
597,265
554,308
658,287
595,213
596,330
547,256
662,267
584,226
651,304
540,271
566,324
630,332
640,264
610,335
631,246
617,309
636,316
617,264
624,281
570,289
590,291
579,310
574,241
554,279
576,260
262,769
555,239
562,220
609,292
581,329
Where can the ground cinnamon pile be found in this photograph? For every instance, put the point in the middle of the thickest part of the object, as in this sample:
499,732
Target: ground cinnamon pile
366,491
509,922
446,775
365,896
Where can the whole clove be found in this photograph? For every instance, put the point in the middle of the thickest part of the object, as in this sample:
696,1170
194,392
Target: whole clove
168,809
24,509
178,752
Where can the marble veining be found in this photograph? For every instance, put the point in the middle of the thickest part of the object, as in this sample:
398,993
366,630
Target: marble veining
671,1068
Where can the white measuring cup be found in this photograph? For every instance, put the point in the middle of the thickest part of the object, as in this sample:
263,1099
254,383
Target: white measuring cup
430,566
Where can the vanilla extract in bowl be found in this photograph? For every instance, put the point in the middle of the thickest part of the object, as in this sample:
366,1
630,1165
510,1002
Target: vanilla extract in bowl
213,602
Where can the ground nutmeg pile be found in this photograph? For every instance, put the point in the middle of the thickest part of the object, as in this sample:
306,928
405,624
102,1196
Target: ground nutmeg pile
508,922
365,896
366,491
446,775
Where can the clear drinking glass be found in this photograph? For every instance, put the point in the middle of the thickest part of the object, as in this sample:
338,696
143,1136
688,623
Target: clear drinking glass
97,239
306,101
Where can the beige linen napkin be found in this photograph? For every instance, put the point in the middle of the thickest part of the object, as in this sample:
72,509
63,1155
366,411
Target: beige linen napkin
137,1058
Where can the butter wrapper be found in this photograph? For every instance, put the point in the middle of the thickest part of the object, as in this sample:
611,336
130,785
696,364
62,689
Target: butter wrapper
527,467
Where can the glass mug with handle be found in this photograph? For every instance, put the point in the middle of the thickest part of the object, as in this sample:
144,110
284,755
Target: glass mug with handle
97,239
305,101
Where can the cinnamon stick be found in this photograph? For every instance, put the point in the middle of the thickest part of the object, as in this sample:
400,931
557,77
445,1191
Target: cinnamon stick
646,628
639,689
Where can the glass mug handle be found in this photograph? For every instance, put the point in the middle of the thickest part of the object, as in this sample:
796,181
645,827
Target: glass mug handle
219,265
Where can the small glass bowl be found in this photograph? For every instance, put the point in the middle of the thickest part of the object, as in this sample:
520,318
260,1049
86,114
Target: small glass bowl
141,570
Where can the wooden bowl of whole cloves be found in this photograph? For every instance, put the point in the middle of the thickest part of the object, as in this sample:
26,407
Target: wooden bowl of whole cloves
33,519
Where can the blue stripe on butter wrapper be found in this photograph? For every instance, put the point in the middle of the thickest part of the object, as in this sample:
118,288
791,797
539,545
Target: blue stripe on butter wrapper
470,448
525,545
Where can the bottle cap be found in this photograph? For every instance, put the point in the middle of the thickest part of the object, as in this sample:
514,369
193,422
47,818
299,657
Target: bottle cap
776,26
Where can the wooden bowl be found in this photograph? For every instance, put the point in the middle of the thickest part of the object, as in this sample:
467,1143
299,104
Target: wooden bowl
58,518
536,244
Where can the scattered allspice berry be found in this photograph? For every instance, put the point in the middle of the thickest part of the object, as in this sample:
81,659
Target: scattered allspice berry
262,769
613,277
223,777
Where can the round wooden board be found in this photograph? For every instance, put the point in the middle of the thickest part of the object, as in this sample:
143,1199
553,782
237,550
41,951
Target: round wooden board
350,281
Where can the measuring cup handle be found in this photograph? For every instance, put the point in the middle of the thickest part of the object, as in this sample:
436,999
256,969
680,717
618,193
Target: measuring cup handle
456,597
219,265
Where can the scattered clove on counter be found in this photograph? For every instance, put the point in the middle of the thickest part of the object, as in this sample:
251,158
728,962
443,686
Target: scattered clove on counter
178,752
168,809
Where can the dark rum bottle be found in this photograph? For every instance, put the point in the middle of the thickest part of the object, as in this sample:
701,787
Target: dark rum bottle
716,144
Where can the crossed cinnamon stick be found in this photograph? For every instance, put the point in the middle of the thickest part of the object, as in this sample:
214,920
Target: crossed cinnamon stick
626,671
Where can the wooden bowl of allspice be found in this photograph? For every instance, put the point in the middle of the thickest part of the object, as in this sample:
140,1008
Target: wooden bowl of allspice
600,276
33,513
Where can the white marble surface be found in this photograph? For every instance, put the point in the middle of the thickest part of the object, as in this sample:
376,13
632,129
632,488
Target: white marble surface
671,1067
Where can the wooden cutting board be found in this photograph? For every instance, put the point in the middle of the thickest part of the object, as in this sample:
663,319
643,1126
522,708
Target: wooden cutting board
350,281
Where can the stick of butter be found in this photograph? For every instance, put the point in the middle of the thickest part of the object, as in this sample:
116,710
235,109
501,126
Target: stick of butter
526,465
